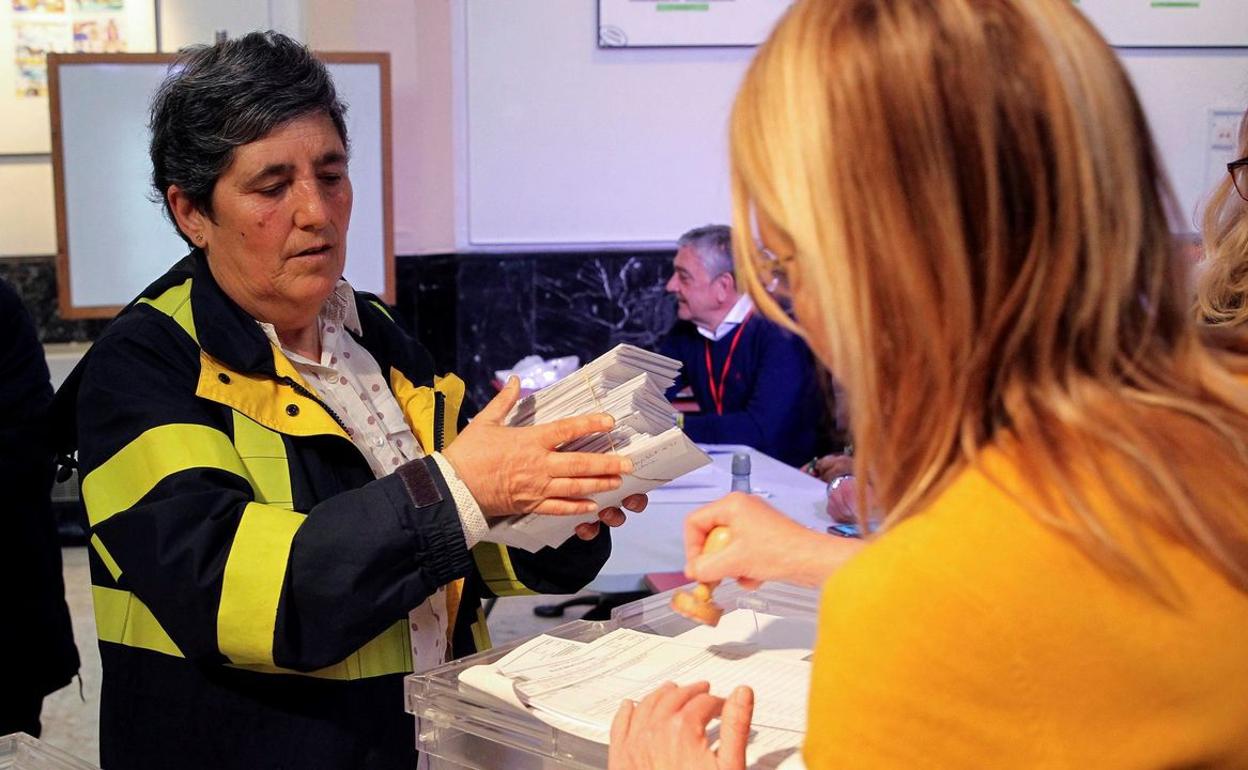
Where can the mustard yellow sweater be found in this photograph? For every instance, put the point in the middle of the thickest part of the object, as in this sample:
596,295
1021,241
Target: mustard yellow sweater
973,636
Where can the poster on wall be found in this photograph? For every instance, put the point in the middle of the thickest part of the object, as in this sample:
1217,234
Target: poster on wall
1170,23
679,23
31,29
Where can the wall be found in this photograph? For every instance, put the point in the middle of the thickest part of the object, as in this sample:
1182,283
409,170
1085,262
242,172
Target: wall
416,34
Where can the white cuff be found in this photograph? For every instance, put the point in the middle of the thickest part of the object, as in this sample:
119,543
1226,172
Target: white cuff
470,516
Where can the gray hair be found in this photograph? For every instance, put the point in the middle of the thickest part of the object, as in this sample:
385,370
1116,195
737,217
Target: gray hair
713,245
217,98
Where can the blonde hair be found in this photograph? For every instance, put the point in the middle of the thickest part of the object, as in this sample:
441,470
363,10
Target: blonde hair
980,252
1222,291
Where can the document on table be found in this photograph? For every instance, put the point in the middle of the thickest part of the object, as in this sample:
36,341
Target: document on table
627,383
578,687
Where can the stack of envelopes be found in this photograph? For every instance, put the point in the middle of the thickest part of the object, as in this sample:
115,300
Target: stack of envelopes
627,383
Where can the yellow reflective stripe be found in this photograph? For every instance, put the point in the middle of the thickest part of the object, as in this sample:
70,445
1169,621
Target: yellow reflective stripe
175,302
255,571
109,562
494,564
390,652
122,619
481,632
156,454
452,387
264,455
382,307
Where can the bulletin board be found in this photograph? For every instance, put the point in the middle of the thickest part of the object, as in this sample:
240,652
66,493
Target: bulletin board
31,29
113,239
683,23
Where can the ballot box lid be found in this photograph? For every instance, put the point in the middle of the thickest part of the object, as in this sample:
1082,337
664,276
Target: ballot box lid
458,727
19,751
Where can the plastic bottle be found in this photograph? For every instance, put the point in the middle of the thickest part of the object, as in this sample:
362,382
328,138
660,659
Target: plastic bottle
741,472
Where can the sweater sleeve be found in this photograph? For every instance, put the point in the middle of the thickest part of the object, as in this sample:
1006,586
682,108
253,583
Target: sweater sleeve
175,519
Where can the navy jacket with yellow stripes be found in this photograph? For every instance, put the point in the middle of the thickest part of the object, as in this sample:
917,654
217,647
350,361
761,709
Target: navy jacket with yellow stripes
251,578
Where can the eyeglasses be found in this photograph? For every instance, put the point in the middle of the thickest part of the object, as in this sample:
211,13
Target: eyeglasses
1238,169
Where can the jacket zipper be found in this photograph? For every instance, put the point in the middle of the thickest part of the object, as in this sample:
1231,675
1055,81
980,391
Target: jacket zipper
310,395
439,421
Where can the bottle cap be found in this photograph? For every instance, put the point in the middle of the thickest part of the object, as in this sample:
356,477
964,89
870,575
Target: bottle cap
740,464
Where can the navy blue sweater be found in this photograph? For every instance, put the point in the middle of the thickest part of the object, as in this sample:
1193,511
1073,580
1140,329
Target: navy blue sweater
771,399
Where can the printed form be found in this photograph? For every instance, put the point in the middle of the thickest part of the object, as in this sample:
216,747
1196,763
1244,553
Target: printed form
578,687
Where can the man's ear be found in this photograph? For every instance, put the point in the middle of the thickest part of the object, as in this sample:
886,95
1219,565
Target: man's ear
191,220
725,287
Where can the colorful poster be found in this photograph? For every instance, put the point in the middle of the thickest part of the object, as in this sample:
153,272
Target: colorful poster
32,42
31,29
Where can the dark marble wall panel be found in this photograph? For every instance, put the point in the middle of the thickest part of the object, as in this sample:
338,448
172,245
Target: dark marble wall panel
34,278
495,326
587,304
427,302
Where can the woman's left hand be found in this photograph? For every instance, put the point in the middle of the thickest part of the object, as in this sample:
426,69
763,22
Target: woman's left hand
667,730
612,517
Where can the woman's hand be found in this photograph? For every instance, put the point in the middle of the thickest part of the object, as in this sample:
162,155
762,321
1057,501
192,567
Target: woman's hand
764,545
612,517
667,730
517,470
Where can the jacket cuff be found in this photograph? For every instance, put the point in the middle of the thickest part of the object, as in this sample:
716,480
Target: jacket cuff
471,517
435,519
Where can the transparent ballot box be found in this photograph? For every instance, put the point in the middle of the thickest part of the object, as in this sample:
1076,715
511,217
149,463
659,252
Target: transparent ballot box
460,727
19,751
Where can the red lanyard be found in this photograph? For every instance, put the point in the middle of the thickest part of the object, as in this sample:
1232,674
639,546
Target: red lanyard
717,393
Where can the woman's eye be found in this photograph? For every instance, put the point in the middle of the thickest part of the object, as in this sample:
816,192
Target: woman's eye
331,179
274,191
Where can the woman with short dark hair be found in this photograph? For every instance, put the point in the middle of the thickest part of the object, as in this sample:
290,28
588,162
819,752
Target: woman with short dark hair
274,474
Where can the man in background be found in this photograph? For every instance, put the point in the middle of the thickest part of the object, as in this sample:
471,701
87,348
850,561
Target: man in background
753,381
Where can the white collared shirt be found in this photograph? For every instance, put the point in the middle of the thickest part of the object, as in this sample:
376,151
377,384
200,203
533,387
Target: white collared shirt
731,321
349,381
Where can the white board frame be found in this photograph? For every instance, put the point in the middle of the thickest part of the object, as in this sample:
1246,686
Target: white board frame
133,246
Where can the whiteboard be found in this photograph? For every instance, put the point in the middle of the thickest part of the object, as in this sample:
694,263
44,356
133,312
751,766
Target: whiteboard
568,145
1185,23
113,240
638,23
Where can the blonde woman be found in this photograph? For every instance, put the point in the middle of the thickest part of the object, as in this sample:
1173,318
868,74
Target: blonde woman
971,218
1222,296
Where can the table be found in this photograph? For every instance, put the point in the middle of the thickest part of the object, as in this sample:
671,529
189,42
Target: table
653,541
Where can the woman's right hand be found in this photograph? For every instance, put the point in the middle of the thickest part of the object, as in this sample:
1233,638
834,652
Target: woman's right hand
517,470
764,545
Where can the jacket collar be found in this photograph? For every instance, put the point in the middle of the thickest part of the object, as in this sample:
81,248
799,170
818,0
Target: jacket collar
226,332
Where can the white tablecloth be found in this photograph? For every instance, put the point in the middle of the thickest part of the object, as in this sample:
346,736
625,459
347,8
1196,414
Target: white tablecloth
653,541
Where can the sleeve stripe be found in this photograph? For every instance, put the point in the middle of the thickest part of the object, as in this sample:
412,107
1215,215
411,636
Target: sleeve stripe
264,454
122,619
494,563
157,453
109,562
255,572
